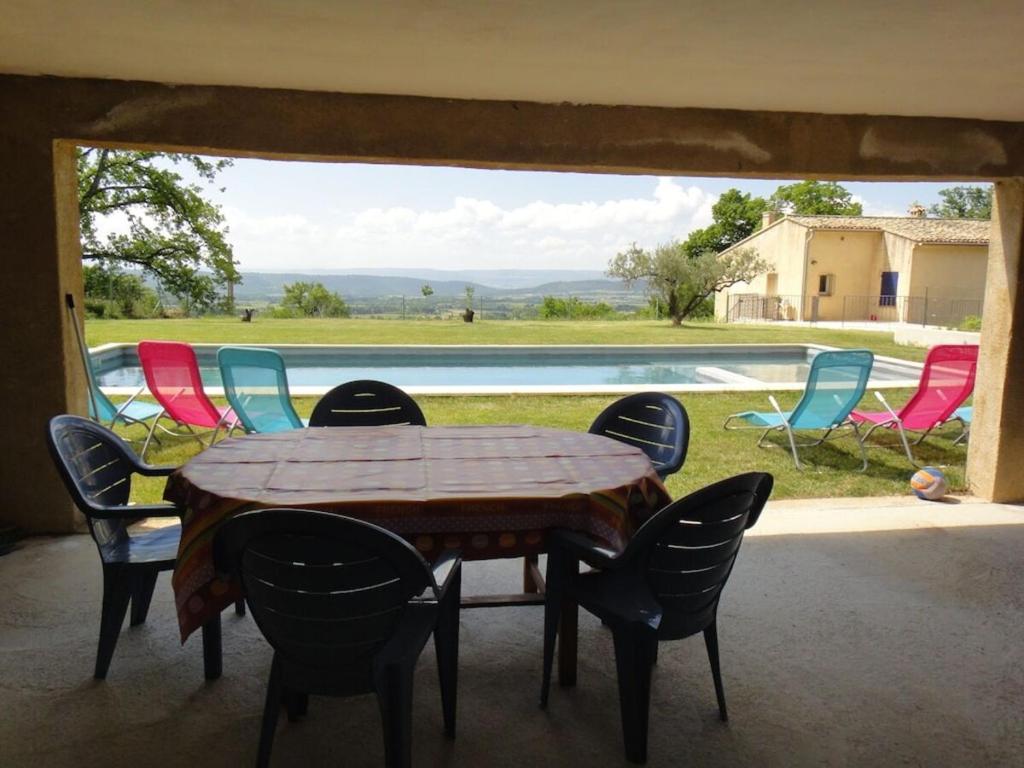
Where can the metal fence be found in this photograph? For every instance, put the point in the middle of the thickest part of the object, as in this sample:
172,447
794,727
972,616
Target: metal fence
950,312
753,307
915,310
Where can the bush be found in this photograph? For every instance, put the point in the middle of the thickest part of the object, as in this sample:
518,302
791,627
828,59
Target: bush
970,323
97,308
573,308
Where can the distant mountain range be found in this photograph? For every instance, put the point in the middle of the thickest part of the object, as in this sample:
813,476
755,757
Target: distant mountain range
361,284
498,278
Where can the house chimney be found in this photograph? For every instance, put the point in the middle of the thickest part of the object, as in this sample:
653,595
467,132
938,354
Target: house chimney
917,211
769,217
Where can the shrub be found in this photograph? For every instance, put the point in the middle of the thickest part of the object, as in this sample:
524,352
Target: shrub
970,323
554,308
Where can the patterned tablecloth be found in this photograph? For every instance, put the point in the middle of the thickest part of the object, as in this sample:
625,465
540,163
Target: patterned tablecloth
489,491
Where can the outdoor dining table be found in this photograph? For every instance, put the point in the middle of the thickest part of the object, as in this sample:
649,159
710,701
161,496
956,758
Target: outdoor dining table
487,491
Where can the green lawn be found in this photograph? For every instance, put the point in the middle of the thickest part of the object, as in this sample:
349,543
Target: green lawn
831,470
714,453
366,331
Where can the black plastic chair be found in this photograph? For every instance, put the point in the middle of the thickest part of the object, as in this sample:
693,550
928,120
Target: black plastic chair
652,421
97,467
347,607
665,586
366,403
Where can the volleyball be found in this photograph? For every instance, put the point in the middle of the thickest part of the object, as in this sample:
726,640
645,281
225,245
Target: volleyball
929,483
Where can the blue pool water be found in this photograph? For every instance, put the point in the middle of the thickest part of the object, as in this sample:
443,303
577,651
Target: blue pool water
512,367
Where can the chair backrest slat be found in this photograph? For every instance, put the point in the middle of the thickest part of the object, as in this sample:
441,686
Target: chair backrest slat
322,604
680,557
366,403
256,385
173,378
697,534
347,573
654,422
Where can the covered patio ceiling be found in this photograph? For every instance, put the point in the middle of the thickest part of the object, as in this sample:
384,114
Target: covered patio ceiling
915,58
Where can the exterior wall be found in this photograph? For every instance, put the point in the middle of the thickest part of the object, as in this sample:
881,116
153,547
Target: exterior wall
949,271
847,256
782,246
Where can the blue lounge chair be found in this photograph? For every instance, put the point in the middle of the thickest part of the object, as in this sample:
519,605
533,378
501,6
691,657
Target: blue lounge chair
835,384
964,416
100,407
102,410
256,385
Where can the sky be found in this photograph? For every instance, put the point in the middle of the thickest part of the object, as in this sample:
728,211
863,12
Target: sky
289,216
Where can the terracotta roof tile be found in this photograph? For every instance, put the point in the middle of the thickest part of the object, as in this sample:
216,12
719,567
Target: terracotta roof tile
959,231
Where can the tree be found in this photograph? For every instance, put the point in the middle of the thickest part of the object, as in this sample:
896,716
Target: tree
313,300
966,202
815,198
735,216
426,290
170,230
680,281
124,290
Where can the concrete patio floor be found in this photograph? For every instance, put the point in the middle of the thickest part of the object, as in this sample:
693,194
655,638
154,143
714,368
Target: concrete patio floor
853,632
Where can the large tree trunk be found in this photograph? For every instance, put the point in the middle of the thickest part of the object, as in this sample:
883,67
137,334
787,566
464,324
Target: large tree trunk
673,309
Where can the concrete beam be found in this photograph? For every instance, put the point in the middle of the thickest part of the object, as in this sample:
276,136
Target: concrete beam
994,462
489,134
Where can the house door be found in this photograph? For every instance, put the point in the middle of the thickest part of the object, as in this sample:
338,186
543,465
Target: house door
887,293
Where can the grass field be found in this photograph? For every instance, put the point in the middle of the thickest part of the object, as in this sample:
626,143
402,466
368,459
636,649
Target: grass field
360,331
714,453
831,470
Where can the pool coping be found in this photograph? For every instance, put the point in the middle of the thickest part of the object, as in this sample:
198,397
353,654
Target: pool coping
738,382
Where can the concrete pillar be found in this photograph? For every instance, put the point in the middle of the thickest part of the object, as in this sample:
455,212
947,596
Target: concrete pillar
995,462
42,372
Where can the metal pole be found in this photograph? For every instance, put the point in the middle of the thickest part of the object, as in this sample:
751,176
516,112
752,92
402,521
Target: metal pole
403,307
69,300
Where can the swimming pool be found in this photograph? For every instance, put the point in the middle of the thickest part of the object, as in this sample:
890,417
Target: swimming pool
312,370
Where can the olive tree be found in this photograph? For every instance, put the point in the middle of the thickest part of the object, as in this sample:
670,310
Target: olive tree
681,282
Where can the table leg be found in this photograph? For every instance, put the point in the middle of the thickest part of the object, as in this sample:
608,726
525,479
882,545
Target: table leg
212,651
567,626
531,570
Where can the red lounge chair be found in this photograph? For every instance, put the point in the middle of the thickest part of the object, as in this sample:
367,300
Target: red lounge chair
172,376
946,382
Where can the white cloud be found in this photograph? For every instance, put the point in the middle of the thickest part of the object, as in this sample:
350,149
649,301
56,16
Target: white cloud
471,233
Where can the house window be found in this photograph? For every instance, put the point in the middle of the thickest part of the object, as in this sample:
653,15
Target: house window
826,284
887,293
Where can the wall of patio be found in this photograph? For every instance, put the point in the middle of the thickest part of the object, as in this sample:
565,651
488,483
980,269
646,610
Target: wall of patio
46,117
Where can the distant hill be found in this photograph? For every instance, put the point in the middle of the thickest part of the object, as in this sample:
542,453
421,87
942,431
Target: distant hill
498,278
269,286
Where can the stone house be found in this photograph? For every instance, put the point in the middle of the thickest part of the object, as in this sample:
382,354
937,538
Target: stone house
863,268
